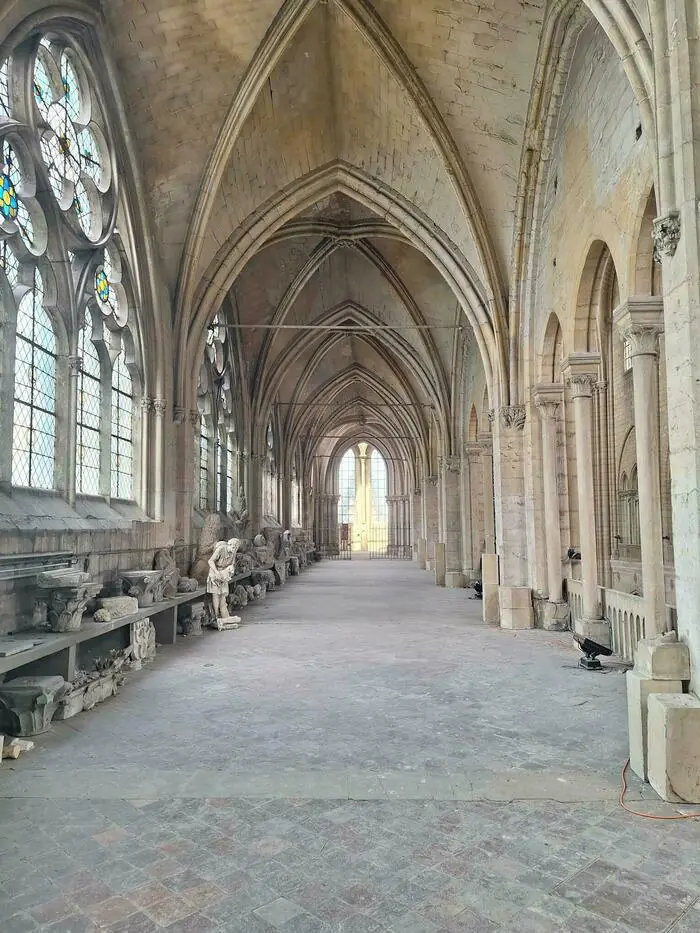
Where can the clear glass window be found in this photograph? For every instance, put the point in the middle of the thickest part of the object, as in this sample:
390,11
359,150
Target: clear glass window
122,431
87,466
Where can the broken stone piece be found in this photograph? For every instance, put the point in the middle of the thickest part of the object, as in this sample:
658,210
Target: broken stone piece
119,606
143,640
67,593
673,750
228,622
27,704
102,615
146,585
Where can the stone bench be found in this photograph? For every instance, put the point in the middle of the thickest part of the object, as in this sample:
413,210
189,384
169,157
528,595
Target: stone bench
57,653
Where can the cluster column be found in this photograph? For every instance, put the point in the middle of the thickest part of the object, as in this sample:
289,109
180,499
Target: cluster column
430,514
485,442
641,321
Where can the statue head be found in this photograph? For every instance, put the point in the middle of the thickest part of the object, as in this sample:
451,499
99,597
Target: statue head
233,544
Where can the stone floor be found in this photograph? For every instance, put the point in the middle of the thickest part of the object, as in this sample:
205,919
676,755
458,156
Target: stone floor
364,756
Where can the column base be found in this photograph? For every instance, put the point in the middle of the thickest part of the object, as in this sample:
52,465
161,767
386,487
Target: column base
454,579
516,607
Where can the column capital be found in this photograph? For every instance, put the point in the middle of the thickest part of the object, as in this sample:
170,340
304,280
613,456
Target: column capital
431,480
450,464
159,407
146,404
472,452
547,399
641,320
179,414
485,442
75,365
512,417
195,418
666,234
581,371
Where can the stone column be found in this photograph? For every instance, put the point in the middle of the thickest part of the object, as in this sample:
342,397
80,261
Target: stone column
641,321
474,484
255,489
450,478
333,540
145,441
514,594
75,368
548,401
185,422
486,444
417,520
159,408
581,372
430,513
392,504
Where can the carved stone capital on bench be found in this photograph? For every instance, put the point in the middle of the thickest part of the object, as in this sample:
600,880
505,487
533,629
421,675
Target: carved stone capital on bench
66,593
27,704
145,585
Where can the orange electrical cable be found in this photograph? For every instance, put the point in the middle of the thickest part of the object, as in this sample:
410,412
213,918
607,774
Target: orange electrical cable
647,816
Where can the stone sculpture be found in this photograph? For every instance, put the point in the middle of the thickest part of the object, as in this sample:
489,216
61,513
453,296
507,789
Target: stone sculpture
143,640
68,594
239,598
221,570
145,585
191,618
119,606
173,581
28,704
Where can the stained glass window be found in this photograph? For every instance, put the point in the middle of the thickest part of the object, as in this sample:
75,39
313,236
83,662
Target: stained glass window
379,483
229,473
87,468
203,464
34,422
4,89
122,430
346,487
12,208
219,472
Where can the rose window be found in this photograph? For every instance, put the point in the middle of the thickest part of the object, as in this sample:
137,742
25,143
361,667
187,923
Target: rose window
72,144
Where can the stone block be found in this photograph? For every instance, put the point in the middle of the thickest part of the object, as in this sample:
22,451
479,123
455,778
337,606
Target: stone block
422,554
673,747
638,690
516,607
454,579
663,658
555,616
490,604
489,569
595,630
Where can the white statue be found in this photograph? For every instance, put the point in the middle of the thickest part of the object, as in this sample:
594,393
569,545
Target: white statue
222,567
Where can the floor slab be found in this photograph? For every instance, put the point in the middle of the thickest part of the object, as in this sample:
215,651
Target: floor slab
363,754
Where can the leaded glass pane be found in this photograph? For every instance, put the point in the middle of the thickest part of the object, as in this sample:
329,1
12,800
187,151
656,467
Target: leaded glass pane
34,428
4,89
90,155
219,473
89,403
71,87
346,487
44,92
122,453
83,207
379,484
203,465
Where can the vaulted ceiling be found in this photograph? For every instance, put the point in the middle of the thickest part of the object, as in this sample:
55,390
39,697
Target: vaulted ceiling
343,163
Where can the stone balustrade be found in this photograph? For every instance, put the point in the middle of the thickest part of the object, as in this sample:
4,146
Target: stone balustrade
625,612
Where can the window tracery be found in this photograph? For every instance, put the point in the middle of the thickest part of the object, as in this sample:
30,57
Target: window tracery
55,139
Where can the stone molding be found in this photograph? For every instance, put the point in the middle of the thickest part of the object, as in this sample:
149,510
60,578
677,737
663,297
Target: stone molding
513,417
666,234
450,464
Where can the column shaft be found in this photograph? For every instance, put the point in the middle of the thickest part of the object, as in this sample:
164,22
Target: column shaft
549,407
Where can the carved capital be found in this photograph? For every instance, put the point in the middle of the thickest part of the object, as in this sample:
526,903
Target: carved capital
146,404
159,407
601,387
581,384
644,340
666,234
450,464
513,417
547,399
195,418
431,480
75,365
491,415
179,415
472,452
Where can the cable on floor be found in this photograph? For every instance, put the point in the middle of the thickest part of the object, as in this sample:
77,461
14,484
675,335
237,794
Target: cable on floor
647,816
